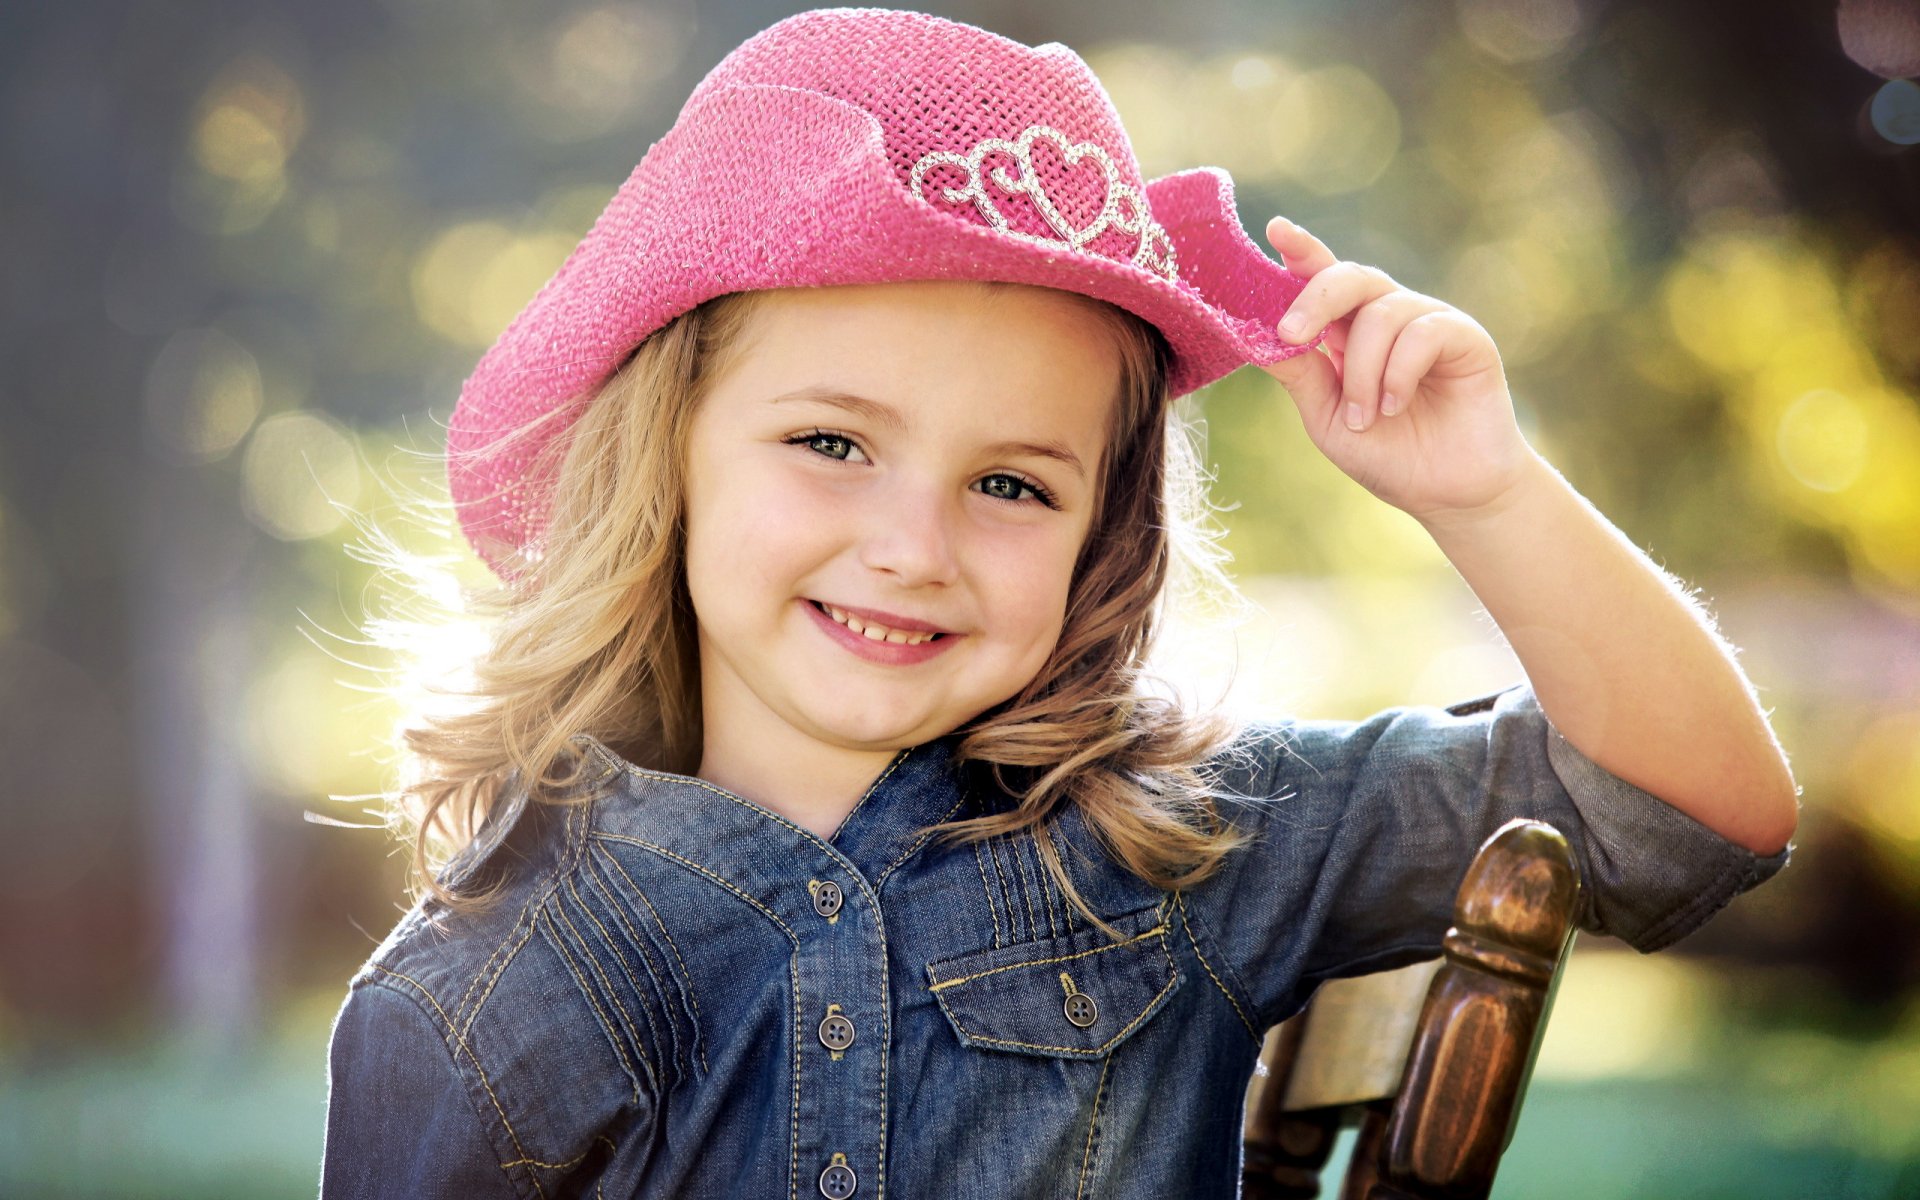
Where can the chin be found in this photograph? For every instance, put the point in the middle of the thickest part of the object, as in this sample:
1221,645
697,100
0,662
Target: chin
883,731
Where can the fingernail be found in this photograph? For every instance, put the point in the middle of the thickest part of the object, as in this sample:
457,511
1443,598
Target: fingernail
1293,327
1389,404
1353,416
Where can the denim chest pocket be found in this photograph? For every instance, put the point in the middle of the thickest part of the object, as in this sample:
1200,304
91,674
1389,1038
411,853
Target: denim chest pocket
1075,996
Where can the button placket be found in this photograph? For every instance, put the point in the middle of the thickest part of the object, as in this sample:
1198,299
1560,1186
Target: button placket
840,1107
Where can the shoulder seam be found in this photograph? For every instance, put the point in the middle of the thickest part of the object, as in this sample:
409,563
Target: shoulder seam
1187,920
439,1019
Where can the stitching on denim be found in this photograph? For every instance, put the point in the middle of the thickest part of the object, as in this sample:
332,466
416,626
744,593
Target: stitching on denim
586,951
833,853
1065,904
1047,885
1055,898
886,1041
607,760
1022,884
487,967
1156,931
755,809
498,1108
1187,922
1173,979
526,935
793,1115
992,911
660,992
1010,879
586,989
579,823
918,842
663,852
575,1161
1086,1156
793,1133
853,870
528,914
1000,874
871,789
686,973
1026,884
673,1041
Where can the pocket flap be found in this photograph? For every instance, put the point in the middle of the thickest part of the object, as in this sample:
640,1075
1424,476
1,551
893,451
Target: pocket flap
1018,998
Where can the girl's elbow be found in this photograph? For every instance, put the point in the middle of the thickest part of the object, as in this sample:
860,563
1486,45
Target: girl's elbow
1777,819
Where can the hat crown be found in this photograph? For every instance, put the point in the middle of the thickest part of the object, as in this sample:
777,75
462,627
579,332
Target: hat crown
860,146
940,89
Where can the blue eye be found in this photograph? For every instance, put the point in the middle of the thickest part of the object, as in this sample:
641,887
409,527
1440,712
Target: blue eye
824,444
1042,494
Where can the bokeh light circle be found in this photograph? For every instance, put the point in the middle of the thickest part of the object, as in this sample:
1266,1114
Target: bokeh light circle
1895,112
300,467
1822,439
1881,35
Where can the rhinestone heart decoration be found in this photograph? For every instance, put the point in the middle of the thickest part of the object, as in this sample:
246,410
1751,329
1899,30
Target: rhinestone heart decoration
1123,208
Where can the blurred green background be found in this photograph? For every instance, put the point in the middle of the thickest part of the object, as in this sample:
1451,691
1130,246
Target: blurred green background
251,250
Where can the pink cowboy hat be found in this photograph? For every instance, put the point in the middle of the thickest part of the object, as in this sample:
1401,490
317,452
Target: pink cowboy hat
849,146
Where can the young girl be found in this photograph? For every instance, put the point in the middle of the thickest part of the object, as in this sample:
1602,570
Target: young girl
812,829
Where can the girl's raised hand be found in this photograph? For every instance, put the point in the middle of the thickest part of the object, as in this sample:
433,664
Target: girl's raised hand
1408,395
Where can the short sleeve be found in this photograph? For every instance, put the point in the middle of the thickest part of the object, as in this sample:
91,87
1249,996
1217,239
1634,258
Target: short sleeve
400,1119
1364,830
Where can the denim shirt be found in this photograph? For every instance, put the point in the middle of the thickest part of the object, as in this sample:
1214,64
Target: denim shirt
684,994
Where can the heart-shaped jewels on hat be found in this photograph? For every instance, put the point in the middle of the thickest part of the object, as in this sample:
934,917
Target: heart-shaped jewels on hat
1122,207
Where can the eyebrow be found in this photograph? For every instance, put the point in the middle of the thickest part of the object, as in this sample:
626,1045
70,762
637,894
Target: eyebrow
891,418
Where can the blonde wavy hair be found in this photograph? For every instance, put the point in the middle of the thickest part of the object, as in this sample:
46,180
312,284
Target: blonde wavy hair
596,635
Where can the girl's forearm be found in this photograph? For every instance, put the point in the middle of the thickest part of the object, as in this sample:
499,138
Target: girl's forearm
1624,663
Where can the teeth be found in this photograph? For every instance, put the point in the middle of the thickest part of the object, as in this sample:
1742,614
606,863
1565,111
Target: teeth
877,633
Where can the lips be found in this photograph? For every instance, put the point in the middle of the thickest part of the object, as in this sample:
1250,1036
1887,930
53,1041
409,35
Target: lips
890,622
881,651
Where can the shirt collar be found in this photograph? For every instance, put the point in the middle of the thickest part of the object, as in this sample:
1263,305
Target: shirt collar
922,786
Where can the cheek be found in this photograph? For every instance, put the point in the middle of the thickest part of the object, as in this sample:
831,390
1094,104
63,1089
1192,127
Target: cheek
1026,580
751,527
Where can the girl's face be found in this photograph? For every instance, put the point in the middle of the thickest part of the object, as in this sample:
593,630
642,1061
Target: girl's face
925,450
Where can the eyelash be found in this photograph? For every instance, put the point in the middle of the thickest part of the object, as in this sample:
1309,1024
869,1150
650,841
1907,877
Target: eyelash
1042,494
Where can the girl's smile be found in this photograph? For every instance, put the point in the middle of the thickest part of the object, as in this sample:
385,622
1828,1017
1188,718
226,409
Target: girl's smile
893,645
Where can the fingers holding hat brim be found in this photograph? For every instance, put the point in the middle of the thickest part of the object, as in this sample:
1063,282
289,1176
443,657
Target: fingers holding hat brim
1304,254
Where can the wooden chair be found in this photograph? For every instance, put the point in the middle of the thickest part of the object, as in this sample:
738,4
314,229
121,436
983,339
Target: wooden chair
1430,1061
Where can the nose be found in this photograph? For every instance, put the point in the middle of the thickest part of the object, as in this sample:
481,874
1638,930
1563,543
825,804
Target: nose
912,535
